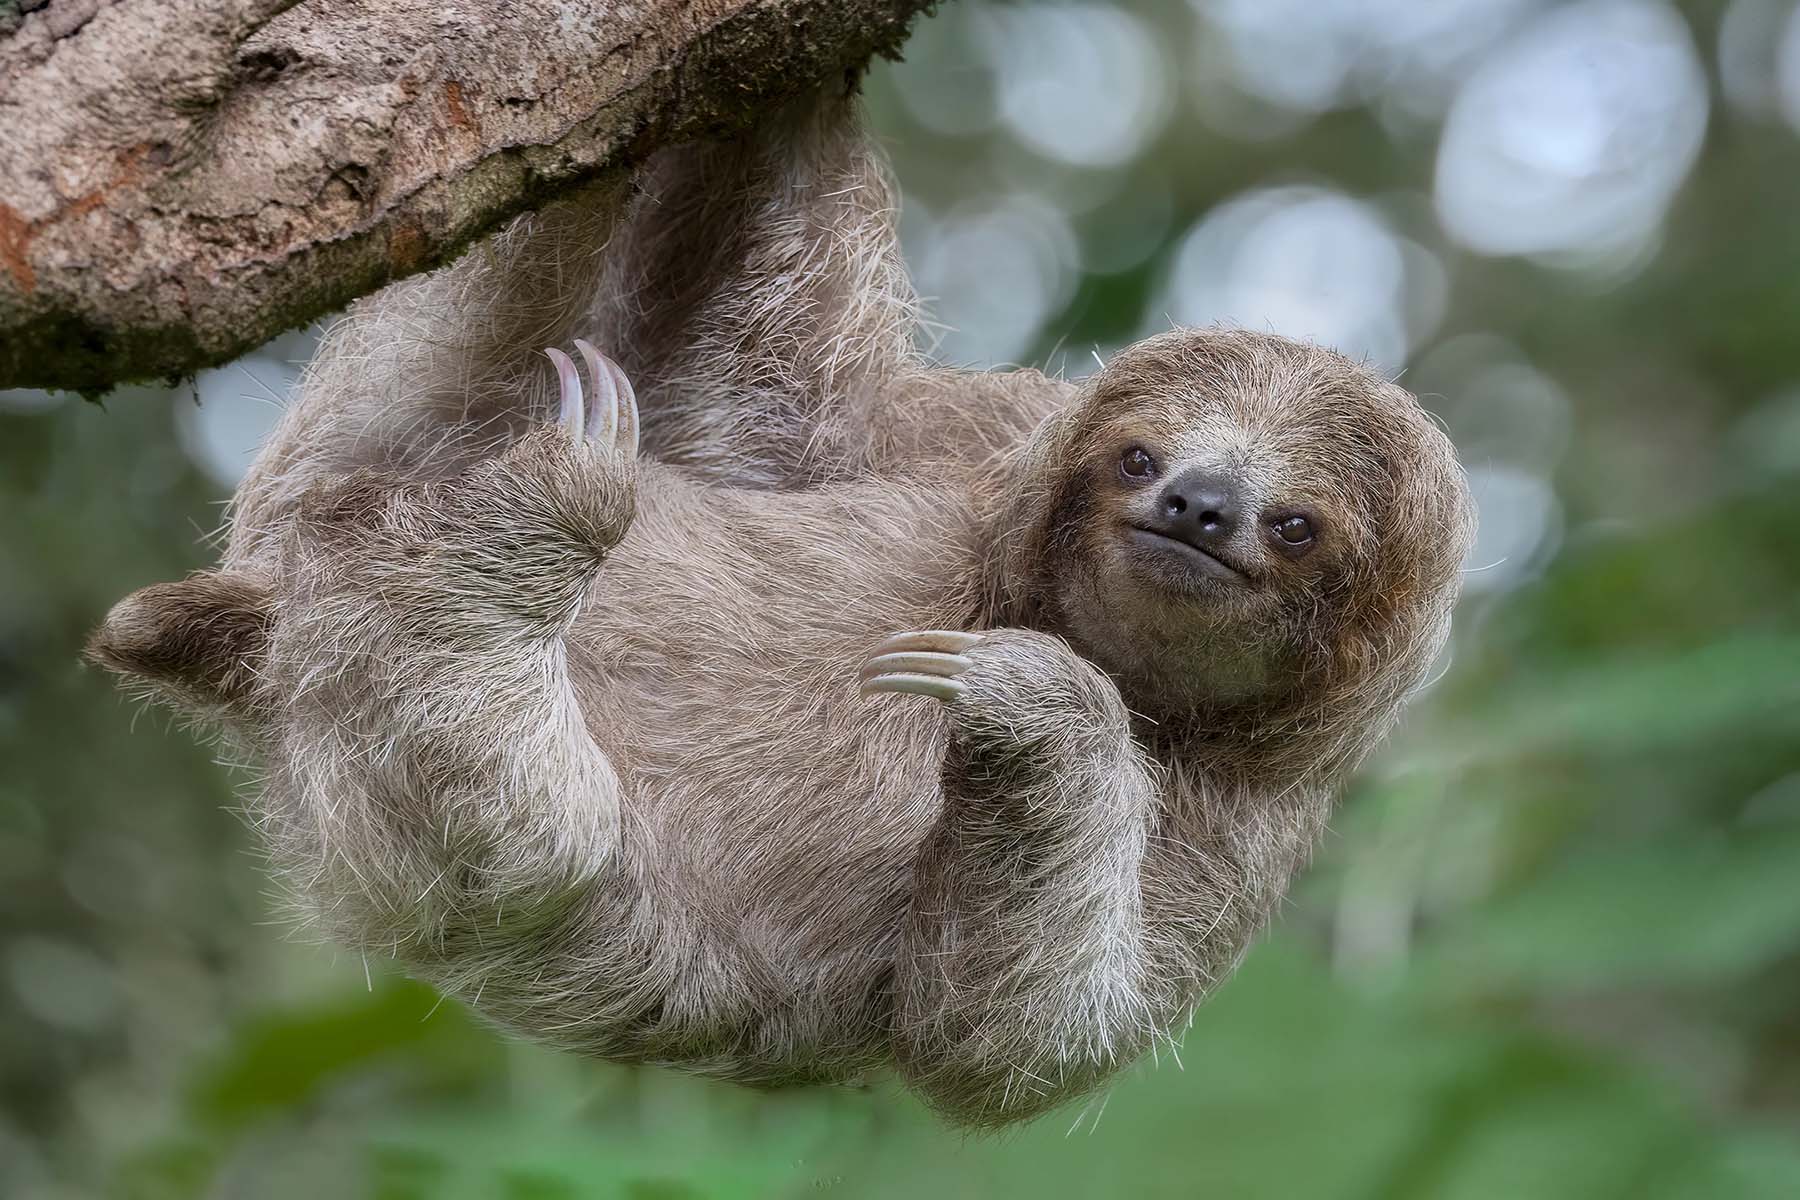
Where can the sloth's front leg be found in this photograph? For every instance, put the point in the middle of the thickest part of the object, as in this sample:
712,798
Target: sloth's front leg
1025,976
433,789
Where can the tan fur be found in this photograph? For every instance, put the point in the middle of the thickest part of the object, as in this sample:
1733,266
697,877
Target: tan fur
579,738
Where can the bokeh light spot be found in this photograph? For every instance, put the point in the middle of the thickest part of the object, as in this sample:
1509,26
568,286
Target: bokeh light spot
1572,140
994,277
1081,84
1301,261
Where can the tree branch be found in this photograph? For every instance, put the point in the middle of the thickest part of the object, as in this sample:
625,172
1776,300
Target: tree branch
181,180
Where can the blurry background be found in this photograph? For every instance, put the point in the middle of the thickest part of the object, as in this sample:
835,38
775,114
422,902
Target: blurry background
1552,948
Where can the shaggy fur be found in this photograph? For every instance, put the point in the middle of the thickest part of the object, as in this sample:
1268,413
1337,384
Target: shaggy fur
579,738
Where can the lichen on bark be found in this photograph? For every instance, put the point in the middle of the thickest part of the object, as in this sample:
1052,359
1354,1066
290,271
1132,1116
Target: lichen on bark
181,180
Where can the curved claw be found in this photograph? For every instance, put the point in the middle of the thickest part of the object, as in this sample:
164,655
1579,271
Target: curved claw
570,382
918,685
922,663
617,385
628,408
606,394
948,641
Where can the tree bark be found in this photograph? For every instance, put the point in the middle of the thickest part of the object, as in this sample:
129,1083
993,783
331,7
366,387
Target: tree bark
181,180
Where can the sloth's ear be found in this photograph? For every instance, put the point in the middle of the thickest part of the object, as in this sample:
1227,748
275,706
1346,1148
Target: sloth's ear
199,643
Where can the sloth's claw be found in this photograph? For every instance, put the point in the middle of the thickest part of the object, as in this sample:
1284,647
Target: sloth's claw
571,416
918,661
918,685
923,663
606,396
949,641
620,421
615,423
628,407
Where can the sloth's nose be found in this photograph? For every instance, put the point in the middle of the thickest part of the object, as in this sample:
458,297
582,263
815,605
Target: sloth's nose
1200,505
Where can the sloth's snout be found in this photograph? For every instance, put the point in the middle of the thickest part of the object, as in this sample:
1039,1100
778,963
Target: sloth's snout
1200,506
1192,519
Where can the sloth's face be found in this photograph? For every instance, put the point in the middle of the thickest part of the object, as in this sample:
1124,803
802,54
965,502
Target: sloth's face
1239,509
1201,513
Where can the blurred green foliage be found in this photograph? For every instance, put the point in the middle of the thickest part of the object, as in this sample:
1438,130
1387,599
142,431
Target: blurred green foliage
1552,948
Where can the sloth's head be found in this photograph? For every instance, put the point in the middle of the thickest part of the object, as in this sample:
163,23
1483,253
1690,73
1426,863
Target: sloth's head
1247,527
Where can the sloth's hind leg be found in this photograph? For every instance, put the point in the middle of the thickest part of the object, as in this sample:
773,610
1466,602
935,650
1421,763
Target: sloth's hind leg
435,791
518,537
515,538
434,373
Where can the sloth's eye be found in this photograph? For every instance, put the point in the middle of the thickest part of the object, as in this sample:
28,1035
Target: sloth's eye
1295,531
1137,464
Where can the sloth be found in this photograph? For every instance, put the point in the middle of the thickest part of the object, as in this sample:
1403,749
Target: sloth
759,699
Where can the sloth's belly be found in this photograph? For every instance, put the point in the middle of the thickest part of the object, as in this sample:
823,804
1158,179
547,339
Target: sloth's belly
787,807
716,664
786,814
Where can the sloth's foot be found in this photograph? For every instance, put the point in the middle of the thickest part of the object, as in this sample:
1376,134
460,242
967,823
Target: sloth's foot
519,536
542,516
571,483
923,663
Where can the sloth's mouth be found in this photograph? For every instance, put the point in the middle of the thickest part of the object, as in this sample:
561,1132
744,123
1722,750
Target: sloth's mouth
1195,558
